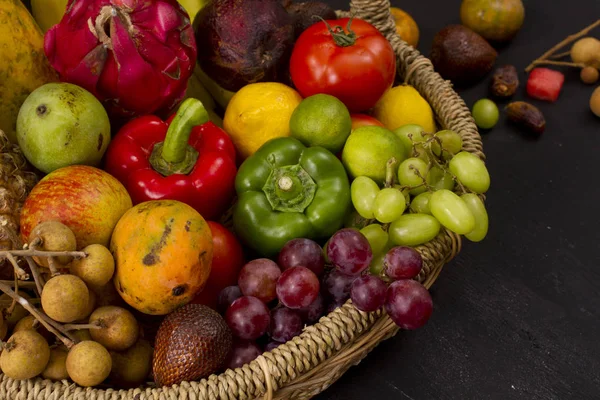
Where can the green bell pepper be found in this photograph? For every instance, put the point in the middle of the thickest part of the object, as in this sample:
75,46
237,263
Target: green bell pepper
287,190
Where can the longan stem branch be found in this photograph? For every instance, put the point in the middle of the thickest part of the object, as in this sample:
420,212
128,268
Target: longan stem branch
58,327
559,55
37,315
53,267
76,327
31,252
22,284
566,41
37,277
559,63
19,272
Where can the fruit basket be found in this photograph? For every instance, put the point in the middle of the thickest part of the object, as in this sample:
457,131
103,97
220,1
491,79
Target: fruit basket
315,359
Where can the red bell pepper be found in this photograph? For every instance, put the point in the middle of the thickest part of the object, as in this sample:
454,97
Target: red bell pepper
186,158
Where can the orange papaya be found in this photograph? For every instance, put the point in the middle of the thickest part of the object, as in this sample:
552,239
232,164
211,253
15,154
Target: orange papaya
163,253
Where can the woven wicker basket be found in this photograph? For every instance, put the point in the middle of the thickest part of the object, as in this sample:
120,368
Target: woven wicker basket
312,361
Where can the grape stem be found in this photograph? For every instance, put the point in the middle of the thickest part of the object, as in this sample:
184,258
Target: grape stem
62,336
390,172
569,39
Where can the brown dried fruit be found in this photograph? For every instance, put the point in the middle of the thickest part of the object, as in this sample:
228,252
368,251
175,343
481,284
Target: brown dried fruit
505,81
192,342
527,116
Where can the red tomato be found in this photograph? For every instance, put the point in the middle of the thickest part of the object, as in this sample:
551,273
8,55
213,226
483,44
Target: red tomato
359,120
346,58
228,260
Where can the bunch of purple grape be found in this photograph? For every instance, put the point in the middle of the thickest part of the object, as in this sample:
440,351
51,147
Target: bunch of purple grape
273,301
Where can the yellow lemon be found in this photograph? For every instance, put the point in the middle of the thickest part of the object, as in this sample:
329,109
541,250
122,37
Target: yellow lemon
403,105
259,112
406,26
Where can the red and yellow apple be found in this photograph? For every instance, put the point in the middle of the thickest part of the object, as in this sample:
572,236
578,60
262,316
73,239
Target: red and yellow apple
86,199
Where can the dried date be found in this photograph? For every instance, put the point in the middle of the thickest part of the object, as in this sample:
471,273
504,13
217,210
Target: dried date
527,116
505,81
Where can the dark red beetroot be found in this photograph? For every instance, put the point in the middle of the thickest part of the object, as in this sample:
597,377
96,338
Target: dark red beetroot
244,41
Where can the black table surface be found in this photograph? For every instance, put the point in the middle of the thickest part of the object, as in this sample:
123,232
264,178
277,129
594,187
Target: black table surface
517,315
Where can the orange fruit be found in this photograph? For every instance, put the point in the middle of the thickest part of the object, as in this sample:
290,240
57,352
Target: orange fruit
495,20
406,27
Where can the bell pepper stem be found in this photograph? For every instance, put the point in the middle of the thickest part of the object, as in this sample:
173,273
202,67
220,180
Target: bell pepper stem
175,155
190,113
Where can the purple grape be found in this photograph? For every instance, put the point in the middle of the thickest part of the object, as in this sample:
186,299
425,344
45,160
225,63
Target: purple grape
302,253
334,305
297,287
227,296
285,324
248,318
271,345
368,293
408,304
338,285
314,311
402,262
350,251
258,278
242,353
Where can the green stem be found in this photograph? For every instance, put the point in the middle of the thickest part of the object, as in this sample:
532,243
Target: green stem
340,37
390,171
175,155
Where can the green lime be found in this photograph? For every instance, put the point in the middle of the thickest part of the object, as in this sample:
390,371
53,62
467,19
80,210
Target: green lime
321,120
486,114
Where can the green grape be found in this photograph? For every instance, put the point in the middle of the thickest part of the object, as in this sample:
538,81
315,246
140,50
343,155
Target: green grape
376,266
413,229
420,204
470,171
451,142
451,211
481,217
403,133
407,174
485,113
377,237
389,205
363,192
355,220
439,179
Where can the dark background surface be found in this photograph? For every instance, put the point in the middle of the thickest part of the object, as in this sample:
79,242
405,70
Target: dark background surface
517,315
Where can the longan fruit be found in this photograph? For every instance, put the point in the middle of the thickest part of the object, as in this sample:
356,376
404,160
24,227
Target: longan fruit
107,295
589,75
65,298
97,268
91,305
120,329
28,323
82,334
55,236
131,367
56,369
18,313
88,363
27,355
595,102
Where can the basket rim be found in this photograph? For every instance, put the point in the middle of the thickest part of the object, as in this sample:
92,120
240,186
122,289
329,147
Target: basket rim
264,373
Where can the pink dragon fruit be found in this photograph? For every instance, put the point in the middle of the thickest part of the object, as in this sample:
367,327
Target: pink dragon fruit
135,56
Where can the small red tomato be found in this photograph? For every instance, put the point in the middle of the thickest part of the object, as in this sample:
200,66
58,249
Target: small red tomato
228,260
346,58
359,120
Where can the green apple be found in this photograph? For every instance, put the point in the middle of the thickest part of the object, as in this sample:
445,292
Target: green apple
368,150
61,124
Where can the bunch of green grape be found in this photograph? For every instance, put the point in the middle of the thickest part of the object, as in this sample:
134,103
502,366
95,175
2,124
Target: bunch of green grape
437,185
